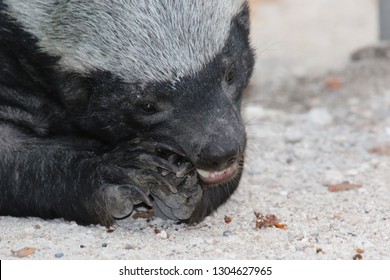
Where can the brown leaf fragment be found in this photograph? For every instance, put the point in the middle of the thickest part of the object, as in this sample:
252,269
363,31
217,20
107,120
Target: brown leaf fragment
228,219
25,252
383,150
337,216
269,220
281,226
143,214
343,187
333,83
359,251
319,250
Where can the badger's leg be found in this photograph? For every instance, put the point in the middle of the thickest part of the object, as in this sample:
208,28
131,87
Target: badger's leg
53,178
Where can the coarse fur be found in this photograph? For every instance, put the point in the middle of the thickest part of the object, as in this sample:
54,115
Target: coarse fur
173,38
108,104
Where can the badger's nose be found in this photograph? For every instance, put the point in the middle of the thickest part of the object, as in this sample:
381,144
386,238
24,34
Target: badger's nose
218,155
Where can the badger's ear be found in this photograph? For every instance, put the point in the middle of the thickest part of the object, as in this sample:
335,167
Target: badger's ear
243,18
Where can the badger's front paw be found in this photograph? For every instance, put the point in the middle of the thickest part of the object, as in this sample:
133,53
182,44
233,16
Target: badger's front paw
127,177
152,173
180,205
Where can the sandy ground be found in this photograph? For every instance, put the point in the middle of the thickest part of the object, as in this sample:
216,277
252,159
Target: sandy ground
314,121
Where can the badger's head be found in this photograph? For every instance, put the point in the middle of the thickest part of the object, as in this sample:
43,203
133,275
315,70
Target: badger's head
167,70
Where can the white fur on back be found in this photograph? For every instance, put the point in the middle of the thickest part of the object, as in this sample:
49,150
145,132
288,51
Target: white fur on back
139,40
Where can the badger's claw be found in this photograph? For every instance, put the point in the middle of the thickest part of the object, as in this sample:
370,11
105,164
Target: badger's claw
180,205
154,179
120,199
165,147
148,160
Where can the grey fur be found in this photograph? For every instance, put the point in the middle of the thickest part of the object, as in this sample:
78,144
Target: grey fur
140,41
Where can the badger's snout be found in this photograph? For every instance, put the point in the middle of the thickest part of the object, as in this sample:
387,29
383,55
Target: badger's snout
219,168
218,159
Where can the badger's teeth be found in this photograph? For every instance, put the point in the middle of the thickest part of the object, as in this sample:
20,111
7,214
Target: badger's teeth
216,177
203,173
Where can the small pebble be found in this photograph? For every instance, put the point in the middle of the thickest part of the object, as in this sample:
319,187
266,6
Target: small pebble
29,230
58,255
293,135
104,245
228,233
333,176
319,116
82,246
387,130
163,234
352,172
129,247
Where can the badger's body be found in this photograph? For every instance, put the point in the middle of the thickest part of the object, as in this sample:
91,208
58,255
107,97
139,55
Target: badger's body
107,104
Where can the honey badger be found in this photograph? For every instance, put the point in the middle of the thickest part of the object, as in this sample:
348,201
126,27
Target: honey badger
105,105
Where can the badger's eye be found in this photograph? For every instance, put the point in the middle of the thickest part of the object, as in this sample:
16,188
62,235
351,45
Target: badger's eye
229,76
149,108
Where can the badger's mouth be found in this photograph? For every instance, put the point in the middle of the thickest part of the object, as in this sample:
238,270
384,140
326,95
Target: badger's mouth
210,177
181,166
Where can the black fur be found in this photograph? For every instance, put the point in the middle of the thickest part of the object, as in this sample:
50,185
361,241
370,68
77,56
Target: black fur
89,148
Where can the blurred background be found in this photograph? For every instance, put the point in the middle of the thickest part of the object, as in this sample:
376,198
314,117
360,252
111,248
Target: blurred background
294,38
